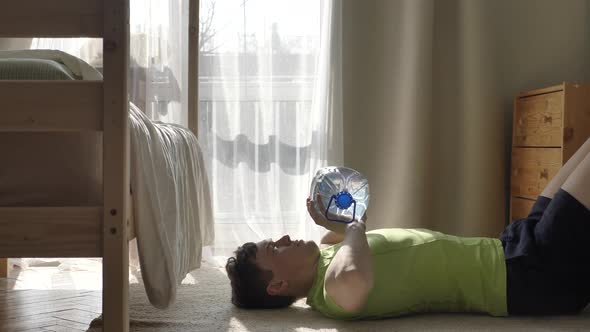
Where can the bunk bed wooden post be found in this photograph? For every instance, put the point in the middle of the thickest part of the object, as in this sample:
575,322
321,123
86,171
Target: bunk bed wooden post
115,166
85,231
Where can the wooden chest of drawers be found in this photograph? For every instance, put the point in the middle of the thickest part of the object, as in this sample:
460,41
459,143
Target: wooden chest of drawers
549,125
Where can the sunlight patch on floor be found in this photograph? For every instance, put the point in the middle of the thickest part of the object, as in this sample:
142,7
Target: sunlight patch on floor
66,274
58,273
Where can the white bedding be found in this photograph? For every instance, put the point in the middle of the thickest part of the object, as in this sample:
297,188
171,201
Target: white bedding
172,204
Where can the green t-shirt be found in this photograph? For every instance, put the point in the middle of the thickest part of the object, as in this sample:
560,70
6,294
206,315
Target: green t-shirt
418,270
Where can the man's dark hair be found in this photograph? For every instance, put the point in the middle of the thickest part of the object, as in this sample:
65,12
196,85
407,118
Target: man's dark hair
248,281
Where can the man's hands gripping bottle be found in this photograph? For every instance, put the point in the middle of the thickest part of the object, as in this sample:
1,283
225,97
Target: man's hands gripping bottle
313,208
338,196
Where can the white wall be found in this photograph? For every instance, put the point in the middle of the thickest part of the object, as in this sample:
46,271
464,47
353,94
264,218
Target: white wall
521,44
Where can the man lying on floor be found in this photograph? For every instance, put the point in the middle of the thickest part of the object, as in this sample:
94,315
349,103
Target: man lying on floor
539,266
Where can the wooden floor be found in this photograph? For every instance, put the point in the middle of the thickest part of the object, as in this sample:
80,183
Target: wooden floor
48,310
56,304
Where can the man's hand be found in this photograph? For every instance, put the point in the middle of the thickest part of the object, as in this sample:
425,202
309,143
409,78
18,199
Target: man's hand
316,210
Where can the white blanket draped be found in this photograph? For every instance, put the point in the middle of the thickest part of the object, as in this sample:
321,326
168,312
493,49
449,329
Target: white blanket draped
172,204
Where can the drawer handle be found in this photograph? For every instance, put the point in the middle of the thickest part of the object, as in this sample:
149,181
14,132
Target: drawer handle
547,119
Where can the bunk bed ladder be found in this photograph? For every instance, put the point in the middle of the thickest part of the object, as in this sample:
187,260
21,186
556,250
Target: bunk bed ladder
97,231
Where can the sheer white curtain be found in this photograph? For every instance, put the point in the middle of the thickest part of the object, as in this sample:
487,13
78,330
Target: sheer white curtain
269,112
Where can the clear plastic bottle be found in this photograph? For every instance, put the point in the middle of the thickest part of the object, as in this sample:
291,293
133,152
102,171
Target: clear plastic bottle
344,192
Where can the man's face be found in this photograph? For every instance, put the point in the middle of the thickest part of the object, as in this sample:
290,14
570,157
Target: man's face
286,258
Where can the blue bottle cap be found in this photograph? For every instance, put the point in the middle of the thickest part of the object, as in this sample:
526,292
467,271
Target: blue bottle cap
344,200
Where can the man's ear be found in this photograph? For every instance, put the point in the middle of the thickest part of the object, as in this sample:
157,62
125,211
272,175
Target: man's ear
277,287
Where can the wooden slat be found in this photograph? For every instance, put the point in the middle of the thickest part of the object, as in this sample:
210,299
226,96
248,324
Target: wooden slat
54,18
51,106
520,207
532,169
116,167
3,267
538,120
50,231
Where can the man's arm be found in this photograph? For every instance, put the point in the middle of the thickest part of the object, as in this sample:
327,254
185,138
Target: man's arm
349,278
332,238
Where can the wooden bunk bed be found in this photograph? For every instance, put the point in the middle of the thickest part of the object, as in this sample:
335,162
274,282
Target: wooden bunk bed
97,106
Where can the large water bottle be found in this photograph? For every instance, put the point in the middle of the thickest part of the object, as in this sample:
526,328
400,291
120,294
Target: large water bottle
343,191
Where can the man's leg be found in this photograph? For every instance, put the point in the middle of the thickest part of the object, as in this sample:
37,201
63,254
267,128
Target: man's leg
550,274
578,186
566,170
562,239
578,183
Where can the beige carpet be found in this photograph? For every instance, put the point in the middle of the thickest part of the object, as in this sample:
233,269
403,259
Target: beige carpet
205,306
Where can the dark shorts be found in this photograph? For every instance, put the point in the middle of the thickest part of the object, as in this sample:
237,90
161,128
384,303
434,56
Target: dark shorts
548,258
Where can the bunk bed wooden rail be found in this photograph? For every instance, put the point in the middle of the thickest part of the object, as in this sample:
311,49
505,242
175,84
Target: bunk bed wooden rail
55,18
32,106
96,106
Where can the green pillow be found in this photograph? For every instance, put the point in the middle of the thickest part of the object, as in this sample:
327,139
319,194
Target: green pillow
33,69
